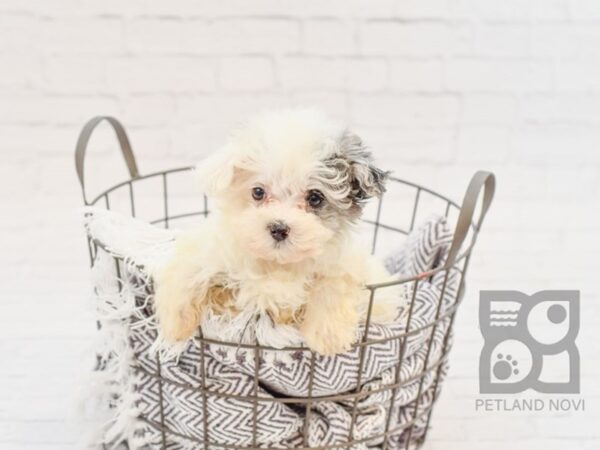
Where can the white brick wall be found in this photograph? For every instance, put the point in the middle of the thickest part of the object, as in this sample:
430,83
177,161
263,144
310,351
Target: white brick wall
438,89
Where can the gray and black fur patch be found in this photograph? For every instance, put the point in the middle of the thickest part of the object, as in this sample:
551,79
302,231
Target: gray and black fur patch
367,180
350,178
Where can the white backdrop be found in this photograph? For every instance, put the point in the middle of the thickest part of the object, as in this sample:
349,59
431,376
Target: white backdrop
437,88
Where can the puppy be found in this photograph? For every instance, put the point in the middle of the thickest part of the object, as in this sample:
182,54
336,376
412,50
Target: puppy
288,188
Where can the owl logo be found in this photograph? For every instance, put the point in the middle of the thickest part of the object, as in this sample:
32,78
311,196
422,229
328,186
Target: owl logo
529,342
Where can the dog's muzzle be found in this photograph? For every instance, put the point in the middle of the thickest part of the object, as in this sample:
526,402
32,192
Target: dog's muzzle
279,230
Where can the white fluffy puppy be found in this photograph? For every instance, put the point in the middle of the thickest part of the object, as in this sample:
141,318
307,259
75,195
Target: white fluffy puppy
288,187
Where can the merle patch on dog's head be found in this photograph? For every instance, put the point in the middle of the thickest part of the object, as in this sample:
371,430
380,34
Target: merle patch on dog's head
366,179
350,176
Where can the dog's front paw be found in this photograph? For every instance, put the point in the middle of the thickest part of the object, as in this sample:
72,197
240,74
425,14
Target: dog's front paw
178,325
177,313
328,337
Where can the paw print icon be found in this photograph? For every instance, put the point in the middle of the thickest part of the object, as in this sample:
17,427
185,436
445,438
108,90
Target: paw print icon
529,342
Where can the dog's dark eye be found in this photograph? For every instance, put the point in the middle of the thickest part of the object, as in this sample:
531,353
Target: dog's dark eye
315,199
258,193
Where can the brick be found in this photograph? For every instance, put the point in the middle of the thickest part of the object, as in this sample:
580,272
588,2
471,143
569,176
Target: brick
575,426
82,35
18,178
578,76
402,38
366,74
505,40
475,75
403,145
335,103
554,143
133,8
51,432
577,107
74,74
262,8
448,430
328,37
19,70
490,11
239,36
489,109
416,9
585,10
200,109
565,41
64,181
484,144
416,75
18,32
148,110
57,110
158,35
161,74
246,74
235,8
399,110
344,8
58,8
35,139
581,242
573,183
548,214
550,10
463,40
356,74
526,183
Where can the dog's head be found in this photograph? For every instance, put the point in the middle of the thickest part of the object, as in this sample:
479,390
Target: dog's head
287,183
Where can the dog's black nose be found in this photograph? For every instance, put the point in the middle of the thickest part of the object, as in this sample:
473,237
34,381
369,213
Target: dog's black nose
279,230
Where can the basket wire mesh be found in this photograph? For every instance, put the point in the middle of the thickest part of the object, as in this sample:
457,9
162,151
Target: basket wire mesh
457,260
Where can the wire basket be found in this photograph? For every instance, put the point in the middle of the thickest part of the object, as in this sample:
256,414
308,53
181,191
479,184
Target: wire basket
384,227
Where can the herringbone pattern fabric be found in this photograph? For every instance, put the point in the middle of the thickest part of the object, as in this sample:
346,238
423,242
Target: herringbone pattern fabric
176,398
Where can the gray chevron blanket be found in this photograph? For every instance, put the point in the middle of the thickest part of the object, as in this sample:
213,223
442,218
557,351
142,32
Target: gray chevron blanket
128,379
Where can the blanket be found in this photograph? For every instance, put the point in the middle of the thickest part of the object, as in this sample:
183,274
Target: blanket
144,389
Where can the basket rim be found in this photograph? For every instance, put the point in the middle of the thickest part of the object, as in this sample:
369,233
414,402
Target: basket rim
371,286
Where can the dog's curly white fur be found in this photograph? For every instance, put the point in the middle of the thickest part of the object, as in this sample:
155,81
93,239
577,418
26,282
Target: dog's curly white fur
288,187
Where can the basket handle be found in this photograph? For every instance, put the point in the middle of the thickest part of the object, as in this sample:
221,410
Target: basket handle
82,142
481,179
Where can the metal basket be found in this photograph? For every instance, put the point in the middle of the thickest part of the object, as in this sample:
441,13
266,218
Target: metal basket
457,259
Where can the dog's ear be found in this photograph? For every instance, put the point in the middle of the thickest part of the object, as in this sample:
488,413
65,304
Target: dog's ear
366,180
216,172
